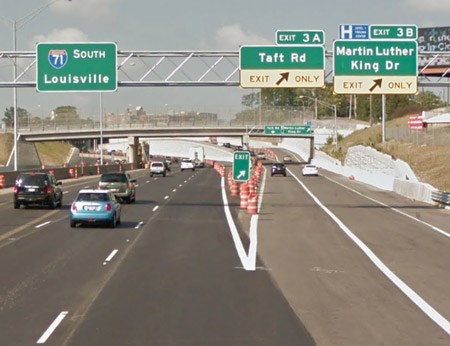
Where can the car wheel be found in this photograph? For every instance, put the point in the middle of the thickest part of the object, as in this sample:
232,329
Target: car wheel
60,203
112,223
72,223
284,174
128,200
16,205
52,203
119,221
151,175
182,169
164,174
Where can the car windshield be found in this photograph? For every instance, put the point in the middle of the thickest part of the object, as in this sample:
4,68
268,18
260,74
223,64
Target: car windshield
113,178
92,197
157,164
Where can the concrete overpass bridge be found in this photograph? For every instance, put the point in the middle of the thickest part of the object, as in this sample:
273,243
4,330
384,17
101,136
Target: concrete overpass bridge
134,132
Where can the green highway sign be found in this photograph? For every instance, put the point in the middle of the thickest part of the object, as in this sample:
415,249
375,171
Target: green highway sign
393,32
241,166
282,66
296,129
375,67
70,67
272,130
296,37
287,130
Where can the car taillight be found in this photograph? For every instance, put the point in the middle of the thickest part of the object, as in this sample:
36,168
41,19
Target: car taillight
47,189
108,207
74,207
15,189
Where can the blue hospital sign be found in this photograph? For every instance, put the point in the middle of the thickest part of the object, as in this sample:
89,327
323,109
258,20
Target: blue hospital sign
354,32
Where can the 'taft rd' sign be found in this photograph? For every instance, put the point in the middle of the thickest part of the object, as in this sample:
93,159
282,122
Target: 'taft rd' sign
282,66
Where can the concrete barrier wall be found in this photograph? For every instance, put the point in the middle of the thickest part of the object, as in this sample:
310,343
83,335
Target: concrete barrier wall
402,179
68,172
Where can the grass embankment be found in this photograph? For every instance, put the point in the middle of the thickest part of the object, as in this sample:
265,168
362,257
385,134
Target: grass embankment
50,153
430,163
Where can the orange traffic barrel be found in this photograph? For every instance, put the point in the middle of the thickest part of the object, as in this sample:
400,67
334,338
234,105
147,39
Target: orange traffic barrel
2,181
244,196
234,189
252,205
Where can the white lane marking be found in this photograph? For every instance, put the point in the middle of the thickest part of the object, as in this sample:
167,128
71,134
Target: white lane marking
413,296
156,208
185,181
180,185
42,224
248,260
174,190
139,225
166,197
110,257
434,228
52,327
66,191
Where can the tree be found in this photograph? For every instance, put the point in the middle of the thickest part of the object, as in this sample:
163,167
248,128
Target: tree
22,116
65,115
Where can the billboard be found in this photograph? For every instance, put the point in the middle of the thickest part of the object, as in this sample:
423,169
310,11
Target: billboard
435,39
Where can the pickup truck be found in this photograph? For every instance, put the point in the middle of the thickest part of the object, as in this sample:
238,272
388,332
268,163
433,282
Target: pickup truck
157,167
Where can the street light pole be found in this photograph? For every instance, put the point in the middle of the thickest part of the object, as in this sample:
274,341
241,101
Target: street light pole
17,24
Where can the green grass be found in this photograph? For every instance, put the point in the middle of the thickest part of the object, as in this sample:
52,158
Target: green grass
430,163
50,153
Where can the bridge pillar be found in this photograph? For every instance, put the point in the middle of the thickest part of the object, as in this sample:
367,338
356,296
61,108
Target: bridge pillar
134,155
311,149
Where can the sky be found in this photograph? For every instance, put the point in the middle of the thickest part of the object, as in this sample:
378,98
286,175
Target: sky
177,25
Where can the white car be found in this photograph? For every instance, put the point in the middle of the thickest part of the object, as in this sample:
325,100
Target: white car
187,164
261,156
310,170
157,167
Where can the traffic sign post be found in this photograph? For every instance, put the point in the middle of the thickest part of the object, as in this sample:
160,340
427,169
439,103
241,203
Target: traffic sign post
282,66
375,67
241,166
66,67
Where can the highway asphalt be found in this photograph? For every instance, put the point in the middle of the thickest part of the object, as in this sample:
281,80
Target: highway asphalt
337,263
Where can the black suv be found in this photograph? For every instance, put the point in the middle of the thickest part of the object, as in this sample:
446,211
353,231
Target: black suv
278,168
37,188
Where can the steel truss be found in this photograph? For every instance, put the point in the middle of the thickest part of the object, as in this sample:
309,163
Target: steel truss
193,68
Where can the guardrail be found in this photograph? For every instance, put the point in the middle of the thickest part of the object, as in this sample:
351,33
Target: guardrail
441,197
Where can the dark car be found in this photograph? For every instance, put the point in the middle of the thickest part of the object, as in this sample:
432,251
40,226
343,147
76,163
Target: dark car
278,168
120,184
37,188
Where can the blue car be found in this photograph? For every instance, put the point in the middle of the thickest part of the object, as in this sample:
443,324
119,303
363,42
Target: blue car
95,207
